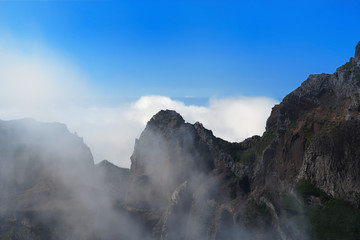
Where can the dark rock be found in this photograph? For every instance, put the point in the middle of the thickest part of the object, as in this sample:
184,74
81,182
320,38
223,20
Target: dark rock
332,162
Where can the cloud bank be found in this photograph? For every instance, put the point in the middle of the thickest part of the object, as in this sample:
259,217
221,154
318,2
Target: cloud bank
42,85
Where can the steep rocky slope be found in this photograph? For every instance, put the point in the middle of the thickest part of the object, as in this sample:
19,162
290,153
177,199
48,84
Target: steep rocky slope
316,132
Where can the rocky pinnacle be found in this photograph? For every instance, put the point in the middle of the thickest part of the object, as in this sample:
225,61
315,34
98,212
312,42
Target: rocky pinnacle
357,50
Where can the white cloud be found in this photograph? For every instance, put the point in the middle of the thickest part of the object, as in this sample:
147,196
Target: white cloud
47,88
233,119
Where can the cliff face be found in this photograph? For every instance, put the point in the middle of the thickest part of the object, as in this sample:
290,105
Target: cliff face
322,101
331,161
316,128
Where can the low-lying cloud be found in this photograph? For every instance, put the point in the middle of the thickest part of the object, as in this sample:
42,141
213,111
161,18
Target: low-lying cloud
41,85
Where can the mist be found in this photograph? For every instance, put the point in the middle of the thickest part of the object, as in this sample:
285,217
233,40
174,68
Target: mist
179,187
52,182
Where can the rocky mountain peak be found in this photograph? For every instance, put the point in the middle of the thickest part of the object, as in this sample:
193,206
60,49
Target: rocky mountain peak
168,118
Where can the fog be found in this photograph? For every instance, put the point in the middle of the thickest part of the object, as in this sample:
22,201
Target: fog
52,190
49,184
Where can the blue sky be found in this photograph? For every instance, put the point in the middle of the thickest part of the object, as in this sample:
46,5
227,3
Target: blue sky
191,48
105,67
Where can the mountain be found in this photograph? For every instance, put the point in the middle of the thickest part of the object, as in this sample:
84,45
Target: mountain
299,180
